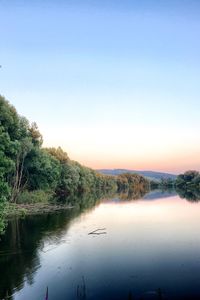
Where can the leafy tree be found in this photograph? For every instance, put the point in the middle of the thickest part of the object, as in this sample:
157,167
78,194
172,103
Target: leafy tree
188,185
9,119
58,153
42,170
35,135
128,181
24,147
68,181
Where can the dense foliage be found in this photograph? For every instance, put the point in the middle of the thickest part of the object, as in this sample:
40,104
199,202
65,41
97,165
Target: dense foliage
25,165
188,185
132,184
26,168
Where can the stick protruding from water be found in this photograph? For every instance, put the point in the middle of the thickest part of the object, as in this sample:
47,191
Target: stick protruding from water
47,294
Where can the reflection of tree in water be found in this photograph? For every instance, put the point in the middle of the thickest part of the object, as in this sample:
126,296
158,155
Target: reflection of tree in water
24,238
192,195
19,257
134,194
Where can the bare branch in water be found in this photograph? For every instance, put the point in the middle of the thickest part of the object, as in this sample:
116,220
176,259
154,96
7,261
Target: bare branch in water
97,231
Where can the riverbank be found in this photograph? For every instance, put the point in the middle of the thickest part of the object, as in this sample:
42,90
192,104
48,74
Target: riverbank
34,209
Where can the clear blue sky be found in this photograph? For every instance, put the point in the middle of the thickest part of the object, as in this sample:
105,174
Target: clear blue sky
115,83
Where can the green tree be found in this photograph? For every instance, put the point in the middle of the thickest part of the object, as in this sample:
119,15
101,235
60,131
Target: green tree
42,170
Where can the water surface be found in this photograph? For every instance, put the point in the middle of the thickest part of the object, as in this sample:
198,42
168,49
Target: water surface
149,249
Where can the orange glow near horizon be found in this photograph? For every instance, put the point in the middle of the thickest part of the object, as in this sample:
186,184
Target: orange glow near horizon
171,161
105,148
172,165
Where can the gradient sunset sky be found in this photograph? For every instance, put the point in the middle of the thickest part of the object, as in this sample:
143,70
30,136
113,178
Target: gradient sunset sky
114,83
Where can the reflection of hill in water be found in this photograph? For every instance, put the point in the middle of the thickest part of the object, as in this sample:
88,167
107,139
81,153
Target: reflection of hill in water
158,194
189,195
25,238
143,195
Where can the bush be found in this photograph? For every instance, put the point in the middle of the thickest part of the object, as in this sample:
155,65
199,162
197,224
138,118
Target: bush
38,196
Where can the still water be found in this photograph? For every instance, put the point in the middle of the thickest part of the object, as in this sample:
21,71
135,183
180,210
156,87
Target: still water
147,249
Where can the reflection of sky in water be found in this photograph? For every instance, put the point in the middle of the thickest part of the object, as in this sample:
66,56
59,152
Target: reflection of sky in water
148,245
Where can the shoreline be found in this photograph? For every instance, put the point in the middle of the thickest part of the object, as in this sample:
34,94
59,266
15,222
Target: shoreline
21,210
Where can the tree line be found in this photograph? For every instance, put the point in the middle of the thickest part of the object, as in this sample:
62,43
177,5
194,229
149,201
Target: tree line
32,173
25,165
28,170
187,185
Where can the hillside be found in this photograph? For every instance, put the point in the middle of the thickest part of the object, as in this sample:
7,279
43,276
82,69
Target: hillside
153,175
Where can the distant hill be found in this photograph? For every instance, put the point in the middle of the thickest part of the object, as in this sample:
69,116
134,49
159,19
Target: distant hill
152,175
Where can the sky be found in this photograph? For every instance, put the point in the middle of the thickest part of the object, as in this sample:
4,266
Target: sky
114,83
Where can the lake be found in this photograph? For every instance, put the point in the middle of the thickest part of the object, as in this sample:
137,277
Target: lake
143,249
